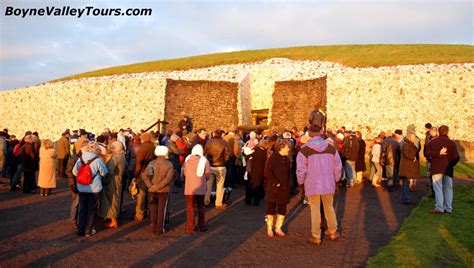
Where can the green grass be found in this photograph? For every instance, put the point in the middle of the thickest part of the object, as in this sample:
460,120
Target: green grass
461,170
350,55
429,240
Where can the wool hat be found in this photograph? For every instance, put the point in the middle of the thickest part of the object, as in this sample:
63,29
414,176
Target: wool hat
161,151
399,132
340,136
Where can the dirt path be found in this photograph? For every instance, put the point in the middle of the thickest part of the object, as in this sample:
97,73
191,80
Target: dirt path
34,231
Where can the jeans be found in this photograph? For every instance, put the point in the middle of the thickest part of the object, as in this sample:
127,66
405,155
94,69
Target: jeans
87,212
405,189
17,177
375,173
329,213
29,181
443,187
349,168
389,173
218,175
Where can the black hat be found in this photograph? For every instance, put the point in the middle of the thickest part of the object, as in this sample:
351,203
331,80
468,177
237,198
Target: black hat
399,132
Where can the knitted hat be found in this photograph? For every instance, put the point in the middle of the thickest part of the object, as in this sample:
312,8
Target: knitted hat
161,151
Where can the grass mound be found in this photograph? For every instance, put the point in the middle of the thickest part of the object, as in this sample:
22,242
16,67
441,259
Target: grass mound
350,55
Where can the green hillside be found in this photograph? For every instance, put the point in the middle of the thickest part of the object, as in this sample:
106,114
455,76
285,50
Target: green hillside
350,55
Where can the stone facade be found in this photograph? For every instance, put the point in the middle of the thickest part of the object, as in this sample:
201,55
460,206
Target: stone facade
50,109
367,99
293,101
210,104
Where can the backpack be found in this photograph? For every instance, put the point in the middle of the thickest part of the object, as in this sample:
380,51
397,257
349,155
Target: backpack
84,175
17,150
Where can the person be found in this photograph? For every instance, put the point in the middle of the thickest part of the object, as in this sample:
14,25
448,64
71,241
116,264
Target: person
278,186
47,174
197,171
72,184
62,148
112,185
132,157
28,157
145,155
200,138
428,138
317,117
412,129
444,156
433,134
351,150
3,152
231,174
82,138
185,125
158,176
254,190
167,137
360,166
217,151
89,194
409,166
375,167
389,155
173,154
319,168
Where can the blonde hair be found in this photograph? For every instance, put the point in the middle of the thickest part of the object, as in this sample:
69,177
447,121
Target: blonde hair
48,144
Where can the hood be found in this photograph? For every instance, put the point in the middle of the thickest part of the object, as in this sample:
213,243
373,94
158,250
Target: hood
317,144
86,156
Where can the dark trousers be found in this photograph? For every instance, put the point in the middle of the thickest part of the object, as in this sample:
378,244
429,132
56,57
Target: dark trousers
158,205
87,212
191,202
231,172
253,195
62,163
29,181
273,208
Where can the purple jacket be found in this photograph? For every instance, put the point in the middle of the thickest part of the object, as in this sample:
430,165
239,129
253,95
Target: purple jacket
318,167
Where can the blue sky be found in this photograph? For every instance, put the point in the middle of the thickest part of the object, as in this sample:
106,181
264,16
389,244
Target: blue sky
38,49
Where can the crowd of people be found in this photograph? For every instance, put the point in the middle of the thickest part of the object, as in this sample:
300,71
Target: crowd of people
311,164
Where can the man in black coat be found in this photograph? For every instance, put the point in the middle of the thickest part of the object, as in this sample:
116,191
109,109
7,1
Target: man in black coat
444,156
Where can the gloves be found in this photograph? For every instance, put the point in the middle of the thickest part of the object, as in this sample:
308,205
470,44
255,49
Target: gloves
301,190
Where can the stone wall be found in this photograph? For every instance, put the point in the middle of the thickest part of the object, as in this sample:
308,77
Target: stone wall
50,109
293,101
210,104
368,99
376,99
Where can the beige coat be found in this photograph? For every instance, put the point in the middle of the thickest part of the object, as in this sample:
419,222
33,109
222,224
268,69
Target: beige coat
47,173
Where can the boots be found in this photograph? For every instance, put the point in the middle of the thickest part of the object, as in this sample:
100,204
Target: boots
270,219
279,223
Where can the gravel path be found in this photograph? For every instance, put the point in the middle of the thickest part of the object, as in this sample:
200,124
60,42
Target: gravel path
35,232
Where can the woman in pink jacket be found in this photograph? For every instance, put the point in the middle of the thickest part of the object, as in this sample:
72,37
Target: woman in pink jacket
197,171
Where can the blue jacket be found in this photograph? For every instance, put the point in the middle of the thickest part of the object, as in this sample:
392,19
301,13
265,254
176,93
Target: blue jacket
99,170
